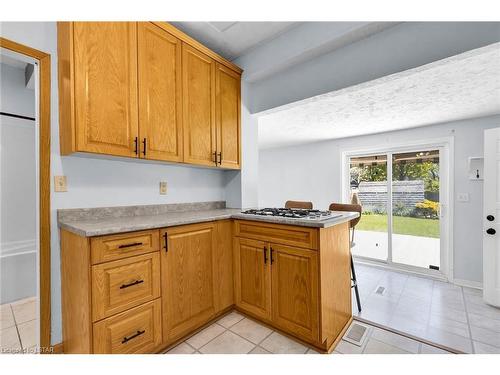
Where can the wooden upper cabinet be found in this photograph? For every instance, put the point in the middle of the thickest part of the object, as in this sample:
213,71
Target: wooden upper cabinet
295,290
198,84
145,89
252,277
160,93
105,87
187,278
227,112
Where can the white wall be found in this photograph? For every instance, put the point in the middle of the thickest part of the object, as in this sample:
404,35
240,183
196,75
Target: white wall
99,182
312,172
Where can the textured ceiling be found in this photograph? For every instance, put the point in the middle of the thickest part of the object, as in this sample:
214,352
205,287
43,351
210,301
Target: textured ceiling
232,39
459,87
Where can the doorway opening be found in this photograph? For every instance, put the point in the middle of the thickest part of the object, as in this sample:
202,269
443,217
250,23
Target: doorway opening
25,199
404,192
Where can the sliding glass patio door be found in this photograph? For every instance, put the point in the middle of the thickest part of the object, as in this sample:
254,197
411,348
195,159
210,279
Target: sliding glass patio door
368,186
415,209
400,195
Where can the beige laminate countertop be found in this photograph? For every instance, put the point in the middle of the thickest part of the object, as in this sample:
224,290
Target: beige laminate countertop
90,227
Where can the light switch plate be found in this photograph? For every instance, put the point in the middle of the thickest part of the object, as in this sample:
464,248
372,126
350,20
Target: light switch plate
463,197
163,187
60,184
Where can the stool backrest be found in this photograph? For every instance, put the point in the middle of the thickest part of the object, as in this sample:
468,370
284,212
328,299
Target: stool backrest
350,208
299,204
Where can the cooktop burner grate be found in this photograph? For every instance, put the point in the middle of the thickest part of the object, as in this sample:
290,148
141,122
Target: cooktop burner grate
291,213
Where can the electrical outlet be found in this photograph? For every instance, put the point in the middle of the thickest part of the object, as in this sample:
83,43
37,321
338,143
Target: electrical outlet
163,187
463,197
60,184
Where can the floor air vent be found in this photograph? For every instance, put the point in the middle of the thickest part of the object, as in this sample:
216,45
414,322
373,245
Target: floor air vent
380,290
356,334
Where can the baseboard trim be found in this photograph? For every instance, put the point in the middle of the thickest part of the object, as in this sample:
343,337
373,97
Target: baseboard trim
468,283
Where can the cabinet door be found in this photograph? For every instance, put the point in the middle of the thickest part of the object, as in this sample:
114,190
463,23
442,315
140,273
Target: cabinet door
198,85
295,290
228,117
105,92
252,277
160,95
187,279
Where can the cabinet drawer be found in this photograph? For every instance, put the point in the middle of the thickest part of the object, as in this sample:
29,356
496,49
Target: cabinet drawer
135,331
122,284
124,245
282,234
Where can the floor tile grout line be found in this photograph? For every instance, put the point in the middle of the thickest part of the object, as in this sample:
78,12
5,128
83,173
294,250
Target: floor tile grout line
212,339
385,343
260,342
468,321
17,328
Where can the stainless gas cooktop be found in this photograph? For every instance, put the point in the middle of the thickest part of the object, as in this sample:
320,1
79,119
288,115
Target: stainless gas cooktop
293,213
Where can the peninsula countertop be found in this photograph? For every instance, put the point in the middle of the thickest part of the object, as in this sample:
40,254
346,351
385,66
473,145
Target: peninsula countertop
89,225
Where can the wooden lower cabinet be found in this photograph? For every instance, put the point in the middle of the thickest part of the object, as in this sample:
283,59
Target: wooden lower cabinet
252,269
137,330
187,278
140,292
305,292
122,284
294,288
223,266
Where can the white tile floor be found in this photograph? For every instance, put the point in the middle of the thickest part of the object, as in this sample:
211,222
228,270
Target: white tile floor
18,326
236,334
443,313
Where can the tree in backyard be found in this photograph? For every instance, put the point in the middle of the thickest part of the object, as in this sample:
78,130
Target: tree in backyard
428,171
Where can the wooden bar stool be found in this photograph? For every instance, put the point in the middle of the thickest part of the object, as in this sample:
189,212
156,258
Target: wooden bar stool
352,224
299,204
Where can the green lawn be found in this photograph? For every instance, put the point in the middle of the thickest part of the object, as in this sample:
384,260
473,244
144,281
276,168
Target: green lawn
401,225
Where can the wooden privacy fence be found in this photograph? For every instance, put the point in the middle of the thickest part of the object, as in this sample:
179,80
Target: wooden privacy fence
404,193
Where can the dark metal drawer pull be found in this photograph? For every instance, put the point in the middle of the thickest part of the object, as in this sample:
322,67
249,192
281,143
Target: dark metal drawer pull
130,245
265,254
138,333
166,242
131,284
272,258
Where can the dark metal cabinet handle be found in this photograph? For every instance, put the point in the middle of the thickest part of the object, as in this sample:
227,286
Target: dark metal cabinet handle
138,333
272,258
265,255
131,284
130,245
144,144
220,158
491,231
136,143
165,236
215,158
490,218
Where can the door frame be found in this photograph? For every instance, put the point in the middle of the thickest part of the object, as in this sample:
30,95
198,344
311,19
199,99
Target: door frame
44,93
446,155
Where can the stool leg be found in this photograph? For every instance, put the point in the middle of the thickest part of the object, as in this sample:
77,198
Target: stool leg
355,285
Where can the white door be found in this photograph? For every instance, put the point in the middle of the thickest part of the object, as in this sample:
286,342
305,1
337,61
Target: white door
491,217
